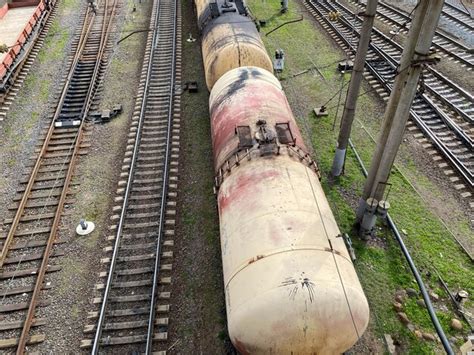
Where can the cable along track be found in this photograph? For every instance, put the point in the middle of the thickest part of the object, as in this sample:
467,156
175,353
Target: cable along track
444,113
29,245
452,49
136,286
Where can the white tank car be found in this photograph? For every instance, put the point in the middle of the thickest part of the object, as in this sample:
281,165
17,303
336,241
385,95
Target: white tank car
290,285
229,39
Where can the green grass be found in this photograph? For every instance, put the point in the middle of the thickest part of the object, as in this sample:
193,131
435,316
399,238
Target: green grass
54,43
197,220
381,267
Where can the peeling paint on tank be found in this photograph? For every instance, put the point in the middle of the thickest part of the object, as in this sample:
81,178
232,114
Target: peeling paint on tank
231,41
223,130
246,185
255,101
241,348
255,258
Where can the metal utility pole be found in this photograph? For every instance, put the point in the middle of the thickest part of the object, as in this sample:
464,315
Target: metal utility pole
415,54
354,87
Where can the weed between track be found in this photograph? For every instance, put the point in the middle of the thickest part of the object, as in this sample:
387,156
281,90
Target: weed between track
381,267
199,322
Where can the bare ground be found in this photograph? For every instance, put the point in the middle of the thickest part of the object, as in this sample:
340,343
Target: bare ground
198,323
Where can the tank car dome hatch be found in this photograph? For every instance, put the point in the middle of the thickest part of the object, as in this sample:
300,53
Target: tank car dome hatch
207,10
264,134
290,284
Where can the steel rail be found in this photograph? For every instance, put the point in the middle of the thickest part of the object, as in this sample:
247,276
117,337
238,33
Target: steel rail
444,117
457,8
460,166
467,96
427,131
25,196
464,21
118,236
52,236
436,41
103,43
164,193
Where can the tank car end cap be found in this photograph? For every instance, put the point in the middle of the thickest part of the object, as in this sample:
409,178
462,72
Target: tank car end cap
85,227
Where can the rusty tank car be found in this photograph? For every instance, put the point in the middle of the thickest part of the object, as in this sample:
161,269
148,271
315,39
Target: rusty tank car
290,284
229,39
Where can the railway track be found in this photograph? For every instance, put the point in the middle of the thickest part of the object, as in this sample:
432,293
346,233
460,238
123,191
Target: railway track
432,111
451,48
28,240
135,296
459,16
17,78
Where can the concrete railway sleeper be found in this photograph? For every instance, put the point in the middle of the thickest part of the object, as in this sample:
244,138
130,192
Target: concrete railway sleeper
134,297
438,87
28,242
451,135
452,48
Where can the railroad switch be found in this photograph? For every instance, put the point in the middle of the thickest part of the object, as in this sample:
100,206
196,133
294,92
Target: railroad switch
105,115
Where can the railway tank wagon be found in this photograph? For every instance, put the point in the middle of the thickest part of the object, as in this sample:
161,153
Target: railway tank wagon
229,39
290,285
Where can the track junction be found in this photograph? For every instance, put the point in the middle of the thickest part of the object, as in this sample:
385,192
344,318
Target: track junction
443,111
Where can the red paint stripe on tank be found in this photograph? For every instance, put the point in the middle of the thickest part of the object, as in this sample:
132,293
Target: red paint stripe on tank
246,185
240,346
253,101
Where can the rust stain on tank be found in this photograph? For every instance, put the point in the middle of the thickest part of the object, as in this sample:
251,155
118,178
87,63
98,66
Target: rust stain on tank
245,185
240,347
275,197
261,98
256,258
231,41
